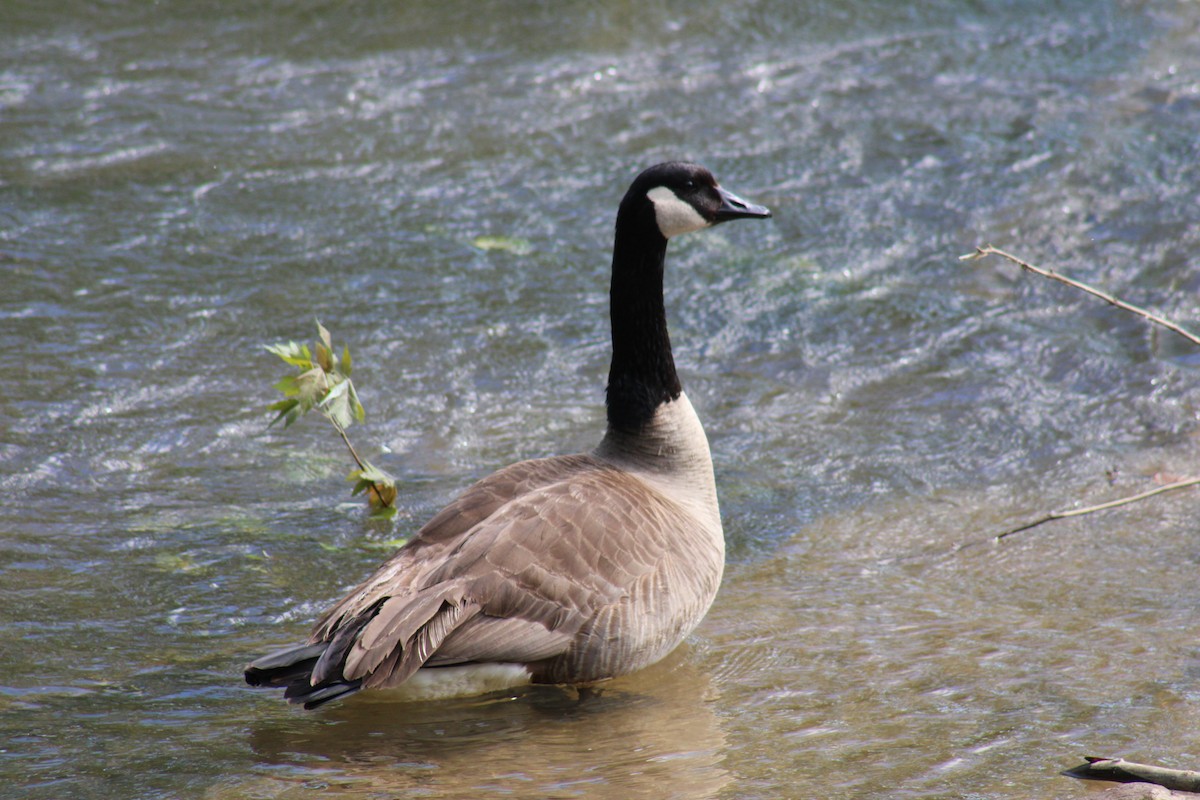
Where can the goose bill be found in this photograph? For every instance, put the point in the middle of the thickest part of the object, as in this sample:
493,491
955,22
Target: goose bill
734,207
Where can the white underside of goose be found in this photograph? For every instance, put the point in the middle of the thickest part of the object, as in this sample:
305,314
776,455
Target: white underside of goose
464,680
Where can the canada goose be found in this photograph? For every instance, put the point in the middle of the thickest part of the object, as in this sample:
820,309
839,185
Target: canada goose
565,570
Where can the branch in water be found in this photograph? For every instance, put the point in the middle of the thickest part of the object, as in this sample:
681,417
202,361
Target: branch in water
1077,512
988,250
1118,769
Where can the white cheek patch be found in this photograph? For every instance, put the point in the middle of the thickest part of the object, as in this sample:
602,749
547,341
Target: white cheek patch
674,216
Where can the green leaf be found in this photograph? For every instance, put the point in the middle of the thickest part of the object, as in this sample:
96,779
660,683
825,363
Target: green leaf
371,474
324,357
176,562
292,416
311,386
384,512
288,350
508,244
339,390
325,337
381,487
360,413
386,493
285,408
346,363
386,544
337,405
288,386
295,354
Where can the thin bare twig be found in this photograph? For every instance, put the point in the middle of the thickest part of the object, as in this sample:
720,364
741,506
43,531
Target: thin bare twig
342,432
1076,512
988,250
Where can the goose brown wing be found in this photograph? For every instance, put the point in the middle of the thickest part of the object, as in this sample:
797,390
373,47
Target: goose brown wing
408,568
516,586
547,562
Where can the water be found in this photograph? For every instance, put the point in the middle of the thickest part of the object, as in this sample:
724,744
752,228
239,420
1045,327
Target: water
184,182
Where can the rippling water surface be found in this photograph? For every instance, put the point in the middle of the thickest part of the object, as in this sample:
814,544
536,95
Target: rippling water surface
182,182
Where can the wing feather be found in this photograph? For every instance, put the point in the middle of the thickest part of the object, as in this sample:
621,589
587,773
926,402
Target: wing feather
544,554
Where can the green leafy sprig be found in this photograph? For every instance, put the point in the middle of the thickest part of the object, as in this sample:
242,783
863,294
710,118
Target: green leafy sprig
322,382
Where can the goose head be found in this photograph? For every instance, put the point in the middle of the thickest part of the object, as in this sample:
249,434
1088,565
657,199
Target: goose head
680,197
664,201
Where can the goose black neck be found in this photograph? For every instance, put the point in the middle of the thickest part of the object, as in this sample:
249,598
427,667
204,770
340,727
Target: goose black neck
642,376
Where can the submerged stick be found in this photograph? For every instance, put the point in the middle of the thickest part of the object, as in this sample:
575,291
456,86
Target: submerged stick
988,250
1076,512
1118,769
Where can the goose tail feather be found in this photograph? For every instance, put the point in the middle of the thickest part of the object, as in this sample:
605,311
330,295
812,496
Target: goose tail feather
291,669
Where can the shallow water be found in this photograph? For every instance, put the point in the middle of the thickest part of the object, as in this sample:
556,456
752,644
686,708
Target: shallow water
184,182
